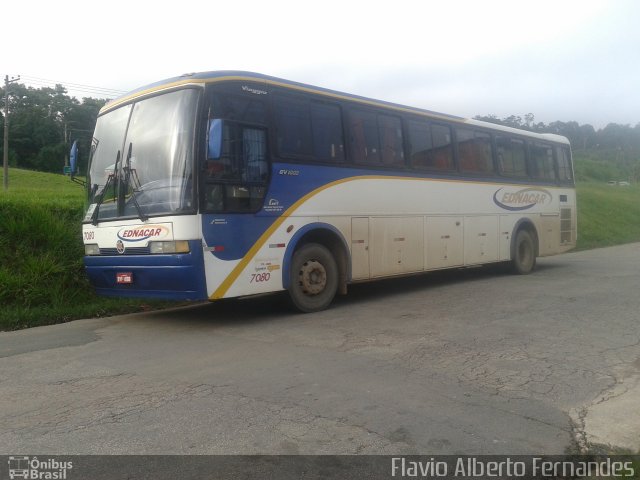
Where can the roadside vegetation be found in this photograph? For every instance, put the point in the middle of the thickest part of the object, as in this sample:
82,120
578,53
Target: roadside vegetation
42,279
607,215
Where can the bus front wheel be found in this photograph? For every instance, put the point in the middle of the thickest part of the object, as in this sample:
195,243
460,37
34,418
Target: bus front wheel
524,255
314,278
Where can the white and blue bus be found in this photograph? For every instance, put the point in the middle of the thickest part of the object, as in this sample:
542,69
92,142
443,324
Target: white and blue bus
227,184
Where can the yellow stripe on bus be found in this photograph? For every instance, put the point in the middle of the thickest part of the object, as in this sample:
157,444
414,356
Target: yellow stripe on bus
235,273
300,88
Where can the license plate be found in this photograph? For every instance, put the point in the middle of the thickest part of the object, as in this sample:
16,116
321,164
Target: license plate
124,277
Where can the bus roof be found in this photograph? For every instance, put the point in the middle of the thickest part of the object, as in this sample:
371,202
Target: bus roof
202,78
494,126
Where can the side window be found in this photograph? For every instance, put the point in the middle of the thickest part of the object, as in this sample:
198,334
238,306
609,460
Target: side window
245,109
309,130
243,157
235,182
420,140
512,157
363,133
542,166
441,154
563,155
423,155
390,130
326,124
254,144
474,151
293,127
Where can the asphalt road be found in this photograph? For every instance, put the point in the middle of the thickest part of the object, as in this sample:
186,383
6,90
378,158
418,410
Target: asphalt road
475,361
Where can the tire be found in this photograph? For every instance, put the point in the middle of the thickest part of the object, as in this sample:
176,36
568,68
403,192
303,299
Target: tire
524,253
313,278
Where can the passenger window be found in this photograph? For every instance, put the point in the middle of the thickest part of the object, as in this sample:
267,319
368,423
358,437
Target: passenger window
542,166
390,130
423,155
563,155
420,140
363,131
326,124
441,154
293,126
511,155
474,151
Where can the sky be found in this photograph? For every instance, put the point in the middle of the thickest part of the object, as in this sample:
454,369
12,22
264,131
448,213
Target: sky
558,59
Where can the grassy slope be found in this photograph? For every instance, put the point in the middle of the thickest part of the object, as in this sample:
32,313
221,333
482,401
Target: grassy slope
607,215
41,272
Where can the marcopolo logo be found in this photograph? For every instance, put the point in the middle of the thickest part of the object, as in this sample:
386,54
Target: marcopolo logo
273,205
34,468
522,199
142,232
255,91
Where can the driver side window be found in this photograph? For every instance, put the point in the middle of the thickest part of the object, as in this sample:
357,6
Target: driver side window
236,181
254,146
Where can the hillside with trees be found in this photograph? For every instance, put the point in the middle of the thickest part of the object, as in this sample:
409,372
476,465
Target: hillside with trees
44,122
610,153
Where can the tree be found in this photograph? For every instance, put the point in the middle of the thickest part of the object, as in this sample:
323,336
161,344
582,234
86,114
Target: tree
39,119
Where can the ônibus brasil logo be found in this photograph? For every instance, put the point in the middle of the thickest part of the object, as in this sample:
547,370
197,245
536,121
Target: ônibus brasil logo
33,468
523,199
143,232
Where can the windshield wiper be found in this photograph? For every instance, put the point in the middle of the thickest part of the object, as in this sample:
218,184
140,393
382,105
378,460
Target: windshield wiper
110,178
134,191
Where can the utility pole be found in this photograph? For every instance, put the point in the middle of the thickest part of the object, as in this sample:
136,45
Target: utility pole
5,156
66,143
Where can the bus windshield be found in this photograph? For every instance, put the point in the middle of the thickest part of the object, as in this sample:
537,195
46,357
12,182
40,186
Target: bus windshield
142,158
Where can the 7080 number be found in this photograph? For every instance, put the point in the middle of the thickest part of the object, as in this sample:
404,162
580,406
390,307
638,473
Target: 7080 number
260,277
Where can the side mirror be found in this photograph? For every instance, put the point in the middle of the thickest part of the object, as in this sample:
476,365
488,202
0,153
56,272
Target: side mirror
72,169
214,146
73,158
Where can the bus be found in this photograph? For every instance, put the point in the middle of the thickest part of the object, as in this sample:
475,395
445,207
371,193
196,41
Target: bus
229,184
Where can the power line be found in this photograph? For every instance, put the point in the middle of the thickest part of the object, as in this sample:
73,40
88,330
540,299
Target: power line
75,90
70,86
73,84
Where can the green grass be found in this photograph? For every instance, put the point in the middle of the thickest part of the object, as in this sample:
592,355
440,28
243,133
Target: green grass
607,215
26,185
42,277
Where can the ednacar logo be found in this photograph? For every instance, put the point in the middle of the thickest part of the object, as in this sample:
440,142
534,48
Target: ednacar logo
144,232
523,199
33,468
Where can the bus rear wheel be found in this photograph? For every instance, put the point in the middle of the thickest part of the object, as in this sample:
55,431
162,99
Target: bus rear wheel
313,278
524,255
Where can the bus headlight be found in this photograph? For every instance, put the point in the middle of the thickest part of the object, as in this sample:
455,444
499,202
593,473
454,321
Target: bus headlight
91,249
178,246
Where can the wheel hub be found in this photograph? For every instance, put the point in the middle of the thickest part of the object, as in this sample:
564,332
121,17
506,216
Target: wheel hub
313,277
